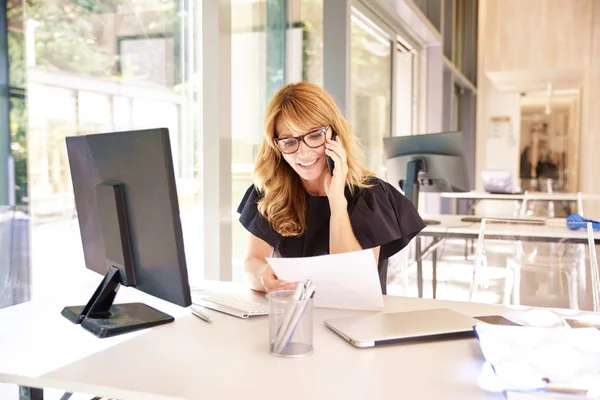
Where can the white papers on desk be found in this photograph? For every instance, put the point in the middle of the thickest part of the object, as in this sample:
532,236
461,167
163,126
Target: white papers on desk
525,358
545,396
346,280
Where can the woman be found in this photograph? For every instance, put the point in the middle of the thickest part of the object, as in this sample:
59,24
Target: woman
298,208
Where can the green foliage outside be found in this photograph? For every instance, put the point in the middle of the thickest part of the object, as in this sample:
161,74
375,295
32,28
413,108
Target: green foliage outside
18,115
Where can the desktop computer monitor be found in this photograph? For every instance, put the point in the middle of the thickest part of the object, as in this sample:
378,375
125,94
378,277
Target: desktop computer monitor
126,201
432,162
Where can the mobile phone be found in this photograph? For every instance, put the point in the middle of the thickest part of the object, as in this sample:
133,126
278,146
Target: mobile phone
497,320
582,323
330,162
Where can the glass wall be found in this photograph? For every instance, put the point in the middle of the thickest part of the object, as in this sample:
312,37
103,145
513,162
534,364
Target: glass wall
95,67
404,100
248,100
14,224
109,65
257,45
371,87
306,53
18,115
273,42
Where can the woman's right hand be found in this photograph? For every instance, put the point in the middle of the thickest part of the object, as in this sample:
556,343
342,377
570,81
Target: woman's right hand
271,283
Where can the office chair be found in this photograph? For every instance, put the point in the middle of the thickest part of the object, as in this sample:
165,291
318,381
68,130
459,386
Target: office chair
566,277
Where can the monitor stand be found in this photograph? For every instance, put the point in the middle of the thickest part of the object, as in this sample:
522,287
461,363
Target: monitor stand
411,185
100,316
105,319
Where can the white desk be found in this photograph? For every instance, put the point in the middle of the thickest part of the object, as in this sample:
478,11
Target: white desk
555,196
451,226
228,359
476,196
36,339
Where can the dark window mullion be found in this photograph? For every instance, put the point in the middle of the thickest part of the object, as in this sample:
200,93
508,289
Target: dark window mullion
4,106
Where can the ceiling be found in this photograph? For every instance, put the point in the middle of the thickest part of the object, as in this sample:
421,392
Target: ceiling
558,100
535,81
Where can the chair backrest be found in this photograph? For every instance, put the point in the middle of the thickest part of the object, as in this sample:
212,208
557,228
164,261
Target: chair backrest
561,274
536,208
594,271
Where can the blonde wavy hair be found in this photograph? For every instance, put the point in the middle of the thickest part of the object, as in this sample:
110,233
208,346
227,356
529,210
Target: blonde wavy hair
302,107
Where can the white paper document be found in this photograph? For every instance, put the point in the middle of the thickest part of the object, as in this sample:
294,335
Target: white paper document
550,360
346,281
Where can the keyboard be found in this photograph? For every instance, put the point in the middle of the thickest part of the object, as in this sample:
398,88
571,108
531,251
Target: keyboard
496,220
232,305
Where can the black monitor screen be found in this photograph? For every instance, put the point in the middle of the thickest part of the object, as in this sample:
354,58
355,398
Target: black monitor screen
141,163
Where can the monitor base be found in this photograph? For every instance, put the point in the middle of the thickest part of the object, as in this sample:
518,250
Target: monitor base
121,318
432,222
105,319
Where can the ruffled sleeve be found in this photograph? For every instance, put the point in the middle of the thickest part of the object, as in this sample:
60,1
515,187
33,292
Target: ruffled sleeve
381,216
253,221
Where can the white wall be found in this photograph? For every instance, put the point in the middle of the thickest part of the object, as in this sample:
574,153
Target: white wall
497,153
529,43
430,203
503,152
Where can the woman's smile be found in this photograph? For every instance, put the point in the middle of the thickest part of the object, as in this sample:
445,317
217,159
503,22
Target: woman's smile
307,164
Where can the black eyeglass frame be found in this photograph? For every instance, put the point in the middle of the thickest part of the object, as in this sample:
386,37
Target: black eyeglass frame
301,138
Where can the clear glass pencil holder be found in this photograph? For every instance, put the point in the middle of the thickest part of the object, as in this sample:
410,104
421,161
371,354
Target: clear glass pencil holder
290,325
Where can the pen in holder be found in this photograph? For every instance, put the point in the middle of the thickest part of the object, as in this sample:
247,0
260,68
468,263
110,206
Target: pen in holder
291,322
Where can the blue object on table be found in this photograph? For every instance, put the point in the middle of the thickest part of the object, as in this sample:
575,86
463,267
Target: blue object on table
576,221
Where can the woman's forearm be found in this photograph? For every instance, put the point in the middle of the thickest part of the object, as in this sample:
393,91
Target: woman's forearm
341,236
253,268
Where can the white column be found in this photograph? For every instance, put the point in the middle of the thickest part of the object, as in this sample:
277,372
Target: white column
431,202
216,138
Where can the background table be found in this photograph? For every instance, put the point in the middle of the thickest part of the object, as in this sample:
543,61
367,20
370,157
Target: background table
452,226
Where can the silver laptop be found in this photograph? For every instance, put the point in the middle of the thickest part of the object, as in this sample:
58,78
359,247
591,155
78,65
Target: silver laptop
499,182
386,328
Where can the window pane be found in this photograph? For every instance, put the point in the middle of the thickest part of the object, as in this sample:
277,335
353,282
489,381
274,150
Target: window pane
311,19
371,73
248,101
17,105
94,67
263,57
404,94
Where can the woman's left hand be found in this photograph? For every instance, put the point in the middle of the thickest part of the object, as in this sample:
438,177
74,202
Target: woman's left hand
335,185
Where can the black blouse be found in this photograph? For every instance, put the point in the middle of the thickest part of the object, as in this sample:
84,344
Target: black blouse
380,216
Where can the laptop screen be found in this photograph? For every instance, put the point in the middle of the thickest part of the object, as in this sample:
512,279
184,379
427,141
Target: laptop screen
498,181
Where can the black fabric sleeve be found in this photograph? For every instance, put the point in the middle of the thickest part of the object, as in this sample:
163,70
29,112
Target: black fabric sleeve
382,216
253,221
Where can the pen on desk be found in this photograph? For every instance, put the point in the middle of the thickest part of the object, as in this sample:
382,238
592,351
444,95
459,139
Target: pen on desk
563,388
202,315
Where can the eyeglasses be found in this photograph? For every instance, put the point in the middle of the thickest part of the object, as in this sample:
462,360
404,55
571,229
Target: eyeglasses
313,140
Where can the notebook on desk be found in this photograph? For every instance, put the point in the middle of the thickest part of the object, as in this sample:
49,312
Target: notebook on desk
387,328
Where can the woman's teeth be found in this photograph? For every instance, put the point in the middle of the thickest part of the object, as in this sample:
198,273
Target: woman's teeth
308,164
